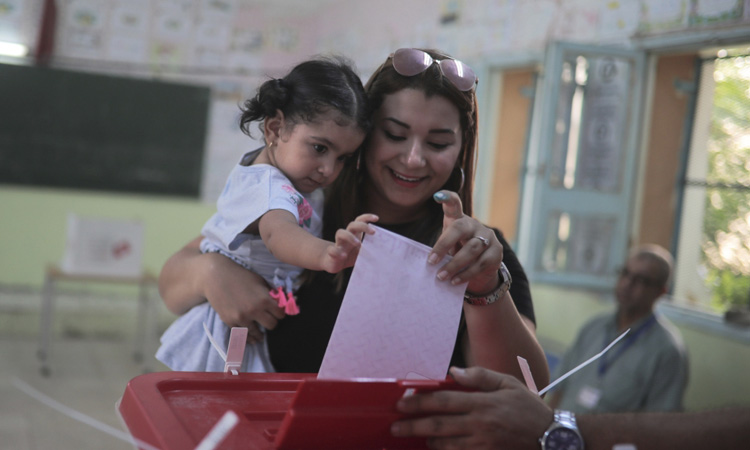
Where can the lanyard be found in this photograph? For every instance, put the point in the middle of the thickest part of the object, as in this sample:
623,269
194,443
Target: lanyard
604,365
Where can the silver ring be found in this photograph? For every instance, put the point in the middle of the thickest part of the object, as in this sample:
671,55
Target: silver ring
484,240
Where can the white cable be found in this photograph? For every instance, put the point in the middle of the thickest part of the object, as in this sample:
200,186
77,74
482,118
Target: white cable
79,416
214,437
583,364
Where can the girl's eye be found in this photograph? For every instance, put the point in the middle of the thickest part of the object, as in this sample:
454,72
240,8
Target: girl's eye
437,146
343,158
319,148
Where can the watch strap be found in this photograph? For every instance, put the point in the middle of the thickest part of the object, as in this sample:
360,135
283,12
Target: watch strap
566,418
497,293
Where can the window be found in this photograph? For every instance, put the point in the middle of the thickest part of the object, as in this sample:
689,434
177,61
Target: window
578,191
622,153
713,250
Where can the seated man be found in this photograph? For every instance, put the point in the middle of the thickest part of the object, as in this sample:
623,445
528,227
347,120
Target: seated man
648,369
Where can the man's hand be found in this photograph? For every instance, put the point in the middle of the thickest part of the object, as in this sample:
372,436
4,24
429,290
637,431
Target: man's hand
502,414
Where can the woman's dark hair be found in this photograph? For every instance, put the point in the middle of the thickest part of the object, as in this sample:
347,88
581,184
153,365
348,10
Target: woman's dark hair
314,87
346,196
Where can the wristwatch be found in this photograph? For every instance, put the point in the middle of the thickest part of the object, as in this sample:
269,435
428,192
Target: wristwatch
492,297
562,433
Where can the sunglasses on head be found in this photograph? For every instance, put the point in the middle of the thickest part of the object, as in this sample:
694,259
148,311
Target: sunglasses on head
411,61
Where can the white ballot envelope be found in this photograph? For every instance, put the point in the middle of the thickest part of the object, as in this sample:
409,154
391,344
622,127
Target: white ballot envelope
397,320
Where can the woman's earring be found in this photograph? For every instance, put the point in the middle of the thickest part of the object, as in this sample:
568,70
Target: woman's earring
463,179
359,161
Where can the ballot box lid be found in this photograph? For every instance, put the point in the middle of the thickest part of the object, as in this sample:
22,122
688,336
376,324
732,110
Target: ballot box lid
175,410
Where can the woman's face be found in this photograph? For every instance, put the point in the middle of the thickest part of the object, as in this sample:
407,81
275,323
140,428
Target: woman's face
411,154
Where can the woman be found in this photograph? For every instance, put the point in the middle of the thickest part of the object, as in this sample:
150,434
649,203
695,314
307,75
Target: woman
423,141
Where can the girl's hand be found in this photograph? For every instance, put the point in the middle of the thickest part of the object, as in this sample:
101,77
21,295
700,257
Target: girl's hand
476,252
344,251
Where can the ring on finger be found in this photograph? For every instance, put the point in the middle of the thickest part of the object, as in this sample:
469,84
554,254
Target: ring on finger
485,241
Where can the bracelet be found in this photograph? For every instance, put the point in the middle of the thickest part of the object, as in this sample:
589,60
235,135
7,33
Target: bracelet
492,297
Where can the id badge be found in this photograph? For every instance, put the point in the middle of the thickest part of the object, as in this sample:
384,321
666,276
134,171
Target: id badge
589,397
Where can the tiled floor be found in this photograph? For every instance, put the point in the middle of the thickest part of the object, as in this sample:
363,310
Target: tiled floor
87,375
89,371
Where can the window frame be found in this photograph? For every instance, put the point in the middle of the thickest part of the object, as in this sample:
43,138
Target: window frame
489,94
536,207
652,48
673,308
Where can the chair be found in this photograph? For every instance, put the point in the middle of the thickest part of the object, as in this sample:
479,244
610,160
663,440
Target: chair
99,250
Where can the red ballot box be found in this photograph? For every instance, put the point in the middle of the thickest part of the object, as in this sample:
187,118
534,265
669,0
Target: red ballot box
175,410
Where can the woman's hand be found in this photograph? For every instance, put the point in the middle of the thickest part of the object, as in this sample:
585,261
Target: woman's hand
502,414
495,334
240,297
476,252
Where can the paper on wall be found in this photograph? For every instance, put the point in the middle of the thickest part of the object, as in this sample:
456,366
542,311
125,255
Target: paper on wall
103,246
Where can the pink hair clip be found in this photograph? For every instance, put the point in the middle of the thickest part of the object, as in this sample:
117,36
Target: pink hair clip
285,300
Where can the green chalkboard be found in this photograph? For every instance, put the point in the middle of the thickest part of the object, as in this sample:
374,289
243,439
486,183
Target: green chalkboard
62,128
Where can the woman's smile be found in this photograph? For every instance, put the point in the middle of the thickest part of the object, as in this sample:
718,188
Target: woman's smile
405,180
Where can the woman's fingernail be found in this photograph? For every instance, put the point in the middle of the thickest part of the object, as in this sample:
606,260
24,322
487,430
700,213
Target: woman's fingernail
433,258
442,275
395,428
440,197
456,281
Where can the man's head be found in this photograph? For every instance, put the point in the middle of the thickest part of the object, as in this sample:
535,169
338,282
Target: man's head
643,279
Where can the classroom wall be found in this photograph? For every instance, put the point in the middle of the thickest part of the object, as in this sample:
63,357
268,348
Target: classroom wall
511,125
662,160
32,221
33,226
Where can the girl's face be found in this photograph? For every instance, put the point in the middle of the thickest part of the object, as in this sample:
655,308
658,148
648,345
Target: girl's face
413,150
312,154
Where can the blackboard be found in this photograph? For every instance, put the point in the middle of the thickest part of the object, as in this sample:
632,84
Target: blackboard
62,128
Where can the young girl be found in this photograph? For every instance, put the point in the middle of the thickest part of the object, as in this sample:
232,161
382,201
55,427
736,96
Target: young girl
268,217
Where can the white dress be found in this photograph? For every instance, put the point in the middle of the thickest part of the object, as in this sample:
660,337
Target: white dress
250,192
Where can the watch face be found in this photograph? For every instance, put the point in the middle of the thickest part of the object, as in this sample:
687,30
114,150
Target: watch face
563,439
